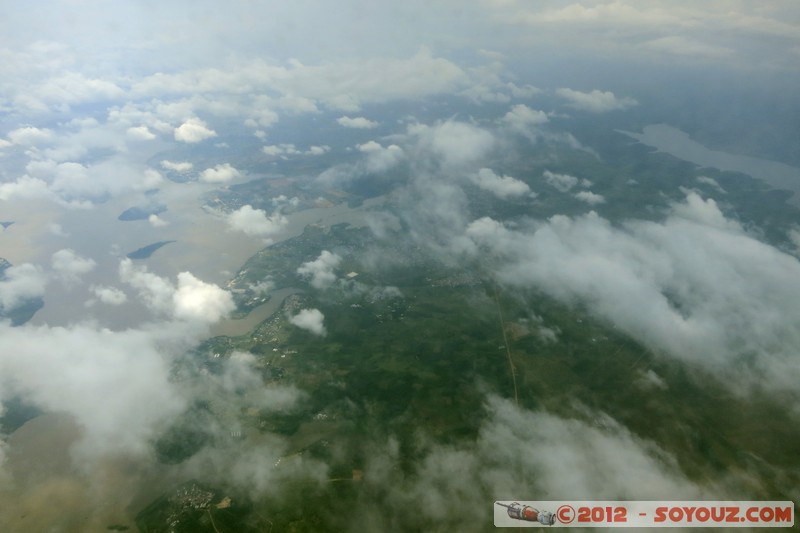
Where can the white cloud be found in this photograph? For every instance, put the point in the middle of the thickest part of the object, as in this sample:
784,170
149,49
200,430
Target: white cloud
256,222
280,150
262,287
341,85
343,102
369,146
590,198
575,458
296,105
29,135
193,300
357,122
684,46
78,370
501,186
524,91
562,182
283,150
76,139
151,179
57,230
440,159
219,174
517,451
5,144
21,283
320,272
109,295
376,160
712,183
283,201
193,130
651,380
523,118
318,150
141,133
156,291
262,115
454,143
69,266
156,221
696,286
78,185
485,93
380,159
240,372
688,32
615,13
273,149
73,88
310,320
197,300
705,212
176,166
72,179
25,187
595,101
344,85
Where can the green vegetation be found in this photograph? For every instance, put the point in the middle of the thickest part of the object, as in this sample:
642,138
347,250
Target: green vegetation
187,435
414,364
194,508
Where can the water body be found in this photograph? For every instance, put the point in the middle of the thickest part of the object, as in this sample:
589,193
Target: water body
329,216
241,326
41,489
678,144
204,245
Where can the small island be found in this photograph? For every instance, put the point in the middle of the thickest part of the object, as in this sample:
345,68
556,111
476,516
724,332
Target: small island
139,213
146,251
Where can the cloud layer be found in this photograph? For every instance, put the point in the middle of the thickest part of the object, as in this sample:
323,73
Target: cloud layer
321,271
21,283
696,287
311,320
256,222
595,101
192,300
517,452
501,186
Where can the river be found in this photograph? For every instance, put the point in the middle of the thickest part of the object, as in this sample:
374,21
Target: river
242,326
204,245
678,144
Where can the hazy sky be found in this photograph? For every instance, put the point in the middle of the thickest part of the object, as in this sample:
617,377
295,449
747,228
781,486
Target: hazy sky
122,42
188,34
